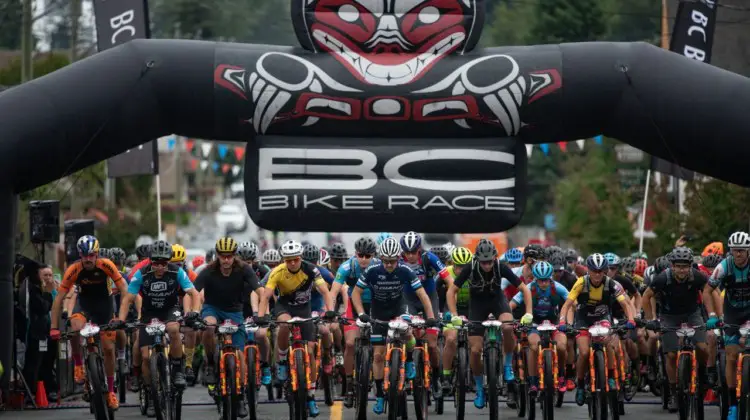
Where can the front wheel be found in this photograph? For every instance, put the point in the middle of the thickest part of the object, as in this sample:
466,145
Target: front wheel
461,382
251,389
300,396
721,389
491,368
122,380
684,376
394,397
598,400
743,403
421,391
98,395
230,401
548,398
362,384
159,385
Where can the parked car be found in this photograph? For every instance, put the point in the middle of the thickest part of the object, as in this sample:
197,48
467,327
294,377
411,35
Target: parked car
231,218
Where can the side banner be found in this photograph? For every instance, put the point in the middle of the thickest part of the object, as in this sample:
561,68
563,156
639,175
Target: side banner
118,22
363,184
693,37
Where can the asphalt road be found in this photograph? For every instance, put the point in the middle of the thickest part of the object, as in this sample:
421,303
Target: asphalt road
197,407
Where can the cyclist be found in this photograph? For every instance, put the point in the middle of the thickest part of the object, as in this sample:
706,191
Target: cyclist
271,258
143,251
387,282
614,271
225,285
179,258
444,256
346,277
118,257
428,268
462,258
731,275
383,236
594,294
338,256
547,297
90,275
567,279
486,298
514,257
130,262
159,286
678,290
295,279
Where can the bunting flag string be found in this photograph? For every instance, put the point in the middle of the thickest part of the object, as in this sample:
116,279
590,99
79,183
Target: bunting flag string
563,146
581,143
206,149
545,148
236,170
239,153
222,150
189,144
529,149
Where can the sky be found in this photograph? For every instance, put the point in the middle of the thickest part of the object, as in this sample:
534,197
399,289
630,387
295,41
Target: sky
43,26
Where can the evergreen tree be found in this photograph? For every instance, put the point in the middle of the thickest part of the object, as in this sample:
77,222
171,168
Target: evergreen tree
559,21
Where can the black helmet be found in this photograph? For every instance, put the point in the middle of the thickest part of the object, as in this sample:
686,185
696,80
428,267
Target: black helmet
441,252
311,254
210,255
485,251
628,264
338,251
365,245
247,251
161,250
118,255
712,260
131,260
552,250
557,260
571,255
534,251
105,253
681,254
143,251
661,264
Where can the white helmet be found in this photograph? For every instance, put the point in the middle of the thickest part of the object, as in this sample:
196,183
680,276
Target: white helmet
389,248
739,240
291,249
271,256
411,241
450,247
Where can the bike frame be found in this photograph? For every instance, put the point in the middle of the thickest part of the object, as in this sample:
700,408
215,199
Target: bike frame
419,328
250,329
547,343
744,333
598,343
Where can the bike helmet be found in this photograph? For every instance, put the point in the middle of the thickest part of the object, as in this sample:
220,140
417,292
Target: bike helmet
161,250
198,261
88,245
411,241
534,251
628,264
325,257
571,255
291,249
681,254
210,255
248,251
542,270
552,250
557,261
178,253
449,246
713,248
271,256
131,260
461,256
612,259
118,256
365,246
383,236
143,251
338,251
390,248
712,260
640,266
441,252
226,245
311,253
739,240
597,262
485,251
514,256
104,253
661,264
648,273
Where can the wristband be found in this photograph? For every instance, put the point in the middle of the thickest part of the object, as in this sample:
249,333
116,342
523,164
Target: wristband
712,314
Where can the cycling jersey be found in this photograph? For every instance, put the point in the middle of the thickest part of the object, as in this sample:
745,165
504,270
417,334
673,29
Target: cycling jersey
227,293
317,298
462,298
295,289
735,281
159,294
349,272
388,287
595,303
92,284
545,302
487,285
142,263
427,267
509,289
678,297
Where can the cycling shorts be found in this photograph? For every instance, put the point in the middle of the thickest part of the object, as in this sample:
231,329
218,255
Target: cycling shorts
302,311
238,338
165,316
349,314
414,306
481,309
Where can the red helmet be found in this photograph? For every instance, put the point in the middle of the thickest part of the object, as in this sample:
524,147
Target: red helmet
640,266
198,261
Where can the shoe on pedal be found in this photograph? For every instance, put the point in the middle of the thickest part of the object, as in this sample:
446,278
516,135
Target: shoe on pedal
580,396
282,371
672,403
447,385
732,413
479,401
179,380
312,407
562,386
209,375
571,385
508,374
533,391
379,407
190,375
112,401
242,412
349,399
265,375
411,371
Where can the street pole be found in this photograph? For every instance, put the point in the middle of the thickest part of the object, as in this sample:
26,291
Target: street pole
75,17
27,48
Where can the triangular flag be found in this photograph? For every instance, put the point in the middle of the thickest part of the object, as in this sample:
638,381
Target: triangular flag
580,143
216,167
529,149
563,146
222,149
225,168
204,165
599,139
236,170
171,142
239,152
193,164
189,144
206,148
545,148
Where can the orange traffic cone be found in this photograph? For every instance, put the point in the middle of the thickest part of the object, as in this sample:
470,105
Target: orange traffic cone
41,395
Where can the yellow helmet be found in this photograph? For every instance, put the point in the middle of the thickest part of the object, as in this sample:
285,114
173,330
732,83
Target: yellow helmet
462,256
226,245
178,253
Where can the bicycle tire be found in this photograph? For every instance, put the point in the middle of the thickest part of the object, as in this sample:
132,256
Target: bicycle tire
394,397
421,392
158,394
721,368
95,371
122,381
743,402
143,400
326,380
490,367
598,406
362,384
548,399
525,394
229,402
684,398
461,382
251,389
177,406
663,381
300,396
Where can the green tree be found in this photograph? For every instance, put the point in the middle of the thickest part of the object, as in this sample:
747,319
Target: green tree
715,210
10,24
560,21
509,23
43,64
635,20
590,204
667,221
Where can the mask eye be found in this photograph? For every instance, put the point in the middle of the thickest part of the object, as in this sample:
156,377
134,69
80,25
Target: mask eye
348,13
429,15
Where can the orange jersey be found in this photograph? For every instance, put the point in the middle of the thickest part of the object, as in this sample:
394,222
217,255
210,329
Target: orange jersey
191,275
91,282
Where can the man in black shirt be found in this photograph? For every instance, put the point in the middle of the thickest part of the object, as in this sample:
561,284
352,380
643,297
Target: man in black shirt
486,298
678,290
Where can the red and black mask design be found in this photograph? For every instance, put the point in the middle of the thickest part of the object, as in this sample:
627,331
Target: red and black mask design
389,42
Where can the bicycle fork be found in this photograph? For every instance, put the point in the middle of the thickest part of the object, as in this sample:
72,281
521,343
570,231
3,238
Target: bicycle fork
293,368
426,358
540,365
592,371
223,372
257,363
401,370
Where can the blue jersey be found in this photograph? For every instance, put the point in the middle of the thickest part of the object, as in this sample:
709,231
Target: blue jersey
427,268
349,272
547,302
389,286
316,299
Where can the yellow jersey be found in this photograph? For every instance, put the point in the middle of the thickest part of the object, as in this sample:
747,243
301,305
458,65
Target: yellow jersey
595,294
295,287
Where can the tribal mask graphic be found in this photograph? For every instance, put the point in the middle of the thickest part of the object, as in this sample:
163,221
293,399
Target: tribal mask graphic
388,42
